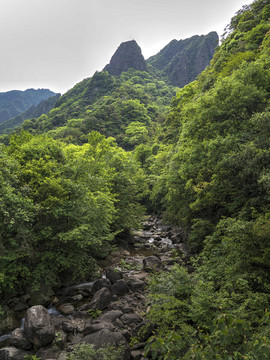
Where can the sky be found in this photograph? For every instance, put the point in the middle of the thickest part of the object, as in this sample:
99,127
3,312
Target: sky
57,43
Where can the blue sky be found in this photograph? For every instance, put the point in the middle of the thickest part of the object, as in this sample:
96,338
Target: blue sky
57,43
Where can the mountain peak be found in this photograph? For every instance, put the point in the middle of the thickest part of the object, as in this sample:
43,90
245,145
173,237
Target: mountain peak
128,55
181,61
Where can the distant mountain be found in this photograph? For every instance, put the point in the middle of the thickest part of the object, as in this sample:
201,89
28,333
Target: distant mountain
128,55
33,112
15,102
182,61
127,91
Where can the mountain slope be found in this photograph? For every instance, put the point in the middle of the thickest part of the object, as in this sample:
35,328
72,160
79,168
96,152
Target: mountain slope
181,61
34,111
15,102
108,104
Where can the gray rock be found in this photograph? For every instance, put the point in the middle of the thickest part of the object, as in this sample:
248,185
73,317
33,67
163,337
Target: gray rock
68,326
127,335
152,263
113,275
19,340
77,298
25,298
99,284
136,284
49,353
101,299
183,248
133,318
92,328
120,287
8,320
66,309
105,337
20,307
37,326
111,316
11,353
136,355
128,55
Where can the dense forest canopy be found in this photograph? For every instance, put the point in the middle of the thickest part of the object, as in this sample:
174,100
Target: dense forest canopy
202,162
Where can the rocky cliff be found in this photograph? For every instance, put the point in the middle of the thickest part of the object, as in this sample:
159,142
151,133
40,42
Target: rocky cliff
182,61
128,55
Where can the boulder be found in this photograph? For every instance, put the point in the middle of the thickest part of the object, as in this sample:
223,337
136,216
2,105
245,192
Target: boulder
132,318
101,299
111,316
66,309
49,353
37,326
99,284
113,275
68,326
92,328
8,320
120,288
4,340
105,337
20,306
136,284
152,264
19,340
11,353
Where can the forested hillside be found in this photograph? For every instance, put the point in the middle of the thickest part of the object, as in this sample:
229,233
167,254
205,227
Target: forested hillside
116,147
108,104
211,177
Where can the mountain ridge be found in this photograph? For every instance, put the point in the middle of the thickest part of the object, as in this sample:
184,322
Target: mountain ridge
14,102
181,61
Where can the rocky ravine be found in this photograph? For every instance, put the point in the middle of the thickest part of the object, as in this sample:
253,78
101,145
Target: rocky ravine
109,310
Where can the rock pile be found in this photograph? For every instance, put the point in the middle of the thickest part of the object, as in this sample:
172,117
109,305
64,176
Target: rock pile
110,310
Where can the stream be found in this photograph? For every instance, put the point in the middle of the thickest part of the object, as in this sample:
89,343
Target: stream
125,275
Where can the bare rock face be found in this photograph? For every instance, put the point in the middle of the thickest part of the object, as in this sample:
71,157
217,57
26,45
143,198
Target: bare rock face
182,61
37,327
128,55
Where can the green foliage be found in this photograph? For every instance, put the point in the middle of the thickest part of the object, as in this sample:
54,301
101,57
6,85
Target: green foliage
211,176
88,352
94,313
31,357
136,133
61,206
106,104
232,338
